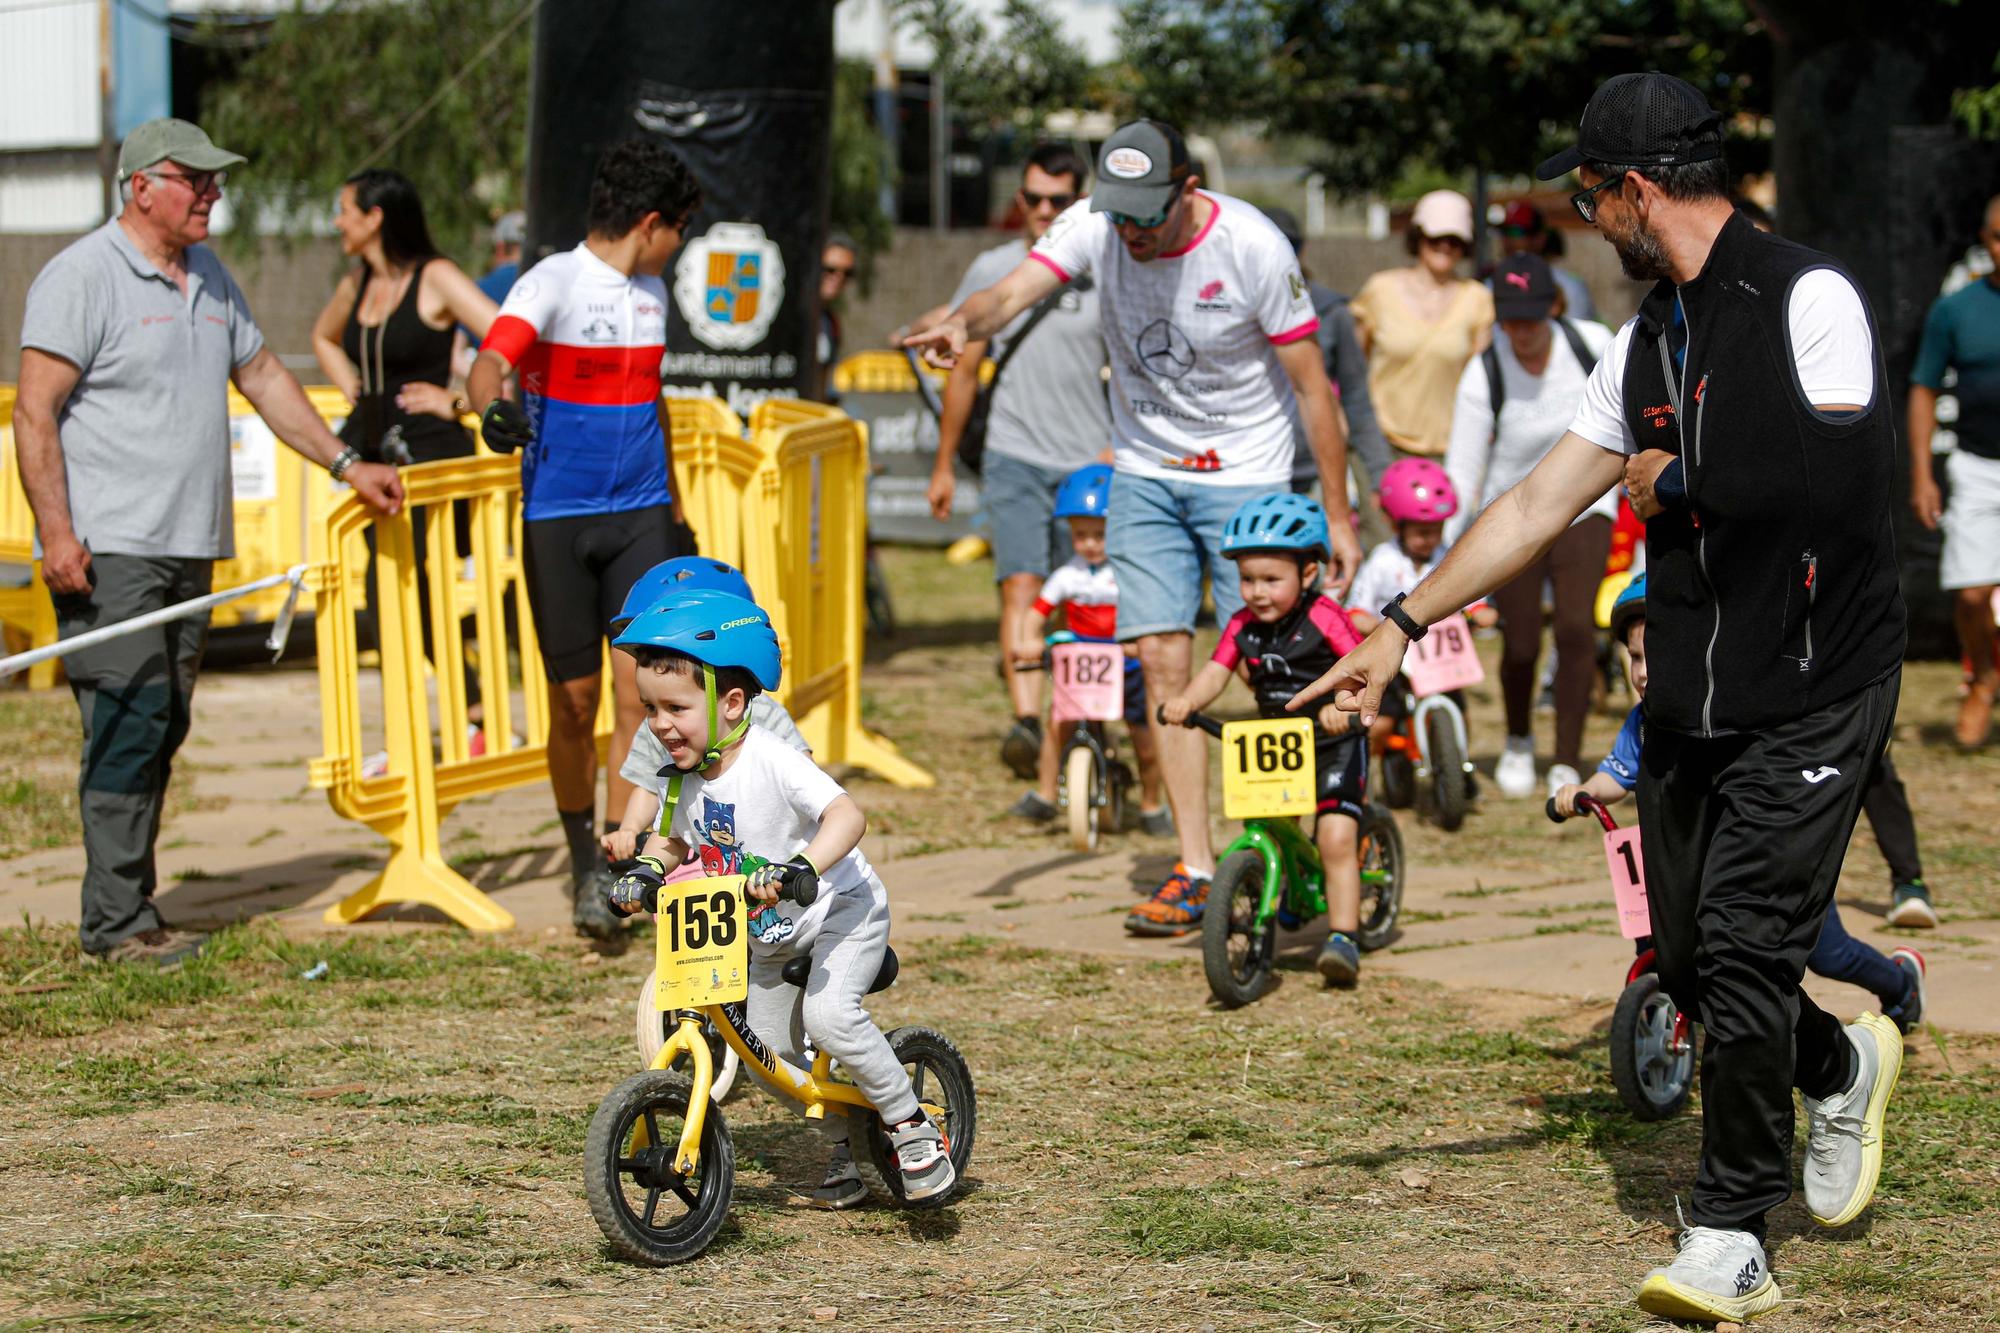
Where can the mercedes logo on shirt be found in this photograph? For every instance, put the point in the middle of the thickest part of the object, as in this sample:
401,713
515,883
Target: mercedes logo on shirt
1164,350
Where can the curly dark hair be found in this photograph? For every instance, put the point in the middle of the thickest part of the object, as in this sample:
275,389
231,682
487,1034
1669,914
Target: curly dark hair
638,177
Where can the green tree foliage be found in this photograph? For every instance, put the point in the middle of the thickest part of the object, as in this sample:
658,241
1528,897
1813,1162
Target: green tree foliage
330,86
858,168
1013,76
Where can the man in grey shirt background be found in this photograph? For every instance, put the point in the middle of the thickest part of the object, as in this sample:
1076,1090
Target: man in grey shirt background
129,343
1048,418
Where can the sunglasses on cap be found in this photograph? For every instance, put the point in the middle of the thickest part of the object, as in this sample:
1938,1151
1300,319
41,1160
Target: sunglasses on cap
1450,242
1149,221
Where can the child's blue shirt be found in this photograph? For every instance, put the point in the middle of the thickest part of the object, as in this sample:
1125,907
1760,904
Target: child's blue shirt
1623,761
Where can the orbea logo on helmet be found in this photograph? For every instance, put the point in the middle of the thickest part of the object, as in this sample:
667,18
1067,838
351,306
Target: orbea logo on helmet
1127,164
740,620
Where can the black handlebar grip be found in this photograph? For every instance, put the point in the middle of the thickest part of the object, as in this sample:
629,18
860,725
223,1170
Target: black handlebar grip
799,884
1555,815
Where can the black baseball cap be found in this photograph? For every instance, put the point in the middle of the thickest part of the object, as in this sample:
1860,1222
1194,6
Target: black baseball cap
1524,287
1641,120
1139,169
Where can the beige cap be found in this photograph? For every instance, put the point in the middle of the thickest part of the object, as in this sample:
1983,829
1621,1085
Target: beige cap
1444,213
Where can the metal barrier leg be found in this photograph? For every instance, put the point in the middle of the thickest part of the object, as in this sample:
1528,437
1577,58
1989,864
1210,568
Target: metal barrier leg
417,876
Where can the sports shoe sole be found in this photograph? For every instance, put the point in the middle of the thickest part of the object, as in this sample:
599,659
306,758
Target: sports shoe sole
1021,751
1662,1296
1143,925
1888,1068
1337,971
1913,914
856,1194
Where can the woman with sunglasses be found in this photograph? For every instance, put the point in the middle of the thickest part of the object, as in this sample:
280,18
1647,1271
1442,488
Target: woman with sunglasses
1420,324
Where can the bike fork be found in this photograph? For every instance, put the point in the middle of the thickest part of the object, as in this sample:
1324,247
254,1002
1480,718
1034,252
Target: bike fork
689,1037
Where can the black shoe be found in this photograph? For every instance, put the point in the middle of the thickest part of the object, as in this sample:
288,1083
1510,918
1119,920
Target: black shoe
1021,747
1031,806
591,912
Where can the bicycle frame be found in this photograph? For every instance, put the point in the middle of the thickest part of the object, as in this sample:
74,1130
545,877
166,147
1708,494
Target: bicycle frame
1289,857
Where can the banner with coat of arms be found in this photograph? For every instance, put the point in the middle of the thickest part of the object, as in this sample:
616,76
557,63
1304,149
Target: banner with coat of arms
729,284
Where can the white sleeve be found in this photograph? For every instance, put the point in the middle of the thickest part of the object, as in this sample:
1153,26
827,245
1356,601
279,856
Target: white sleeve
1831,344
1600,417
1073,241
1278,288
645,760
1059,586
769,714
807,788
1471,446
530,308
1372,588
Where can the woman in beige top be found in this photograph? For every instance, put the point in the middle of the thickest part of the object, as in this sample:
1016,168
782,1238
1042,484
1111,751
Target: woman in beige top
1421,323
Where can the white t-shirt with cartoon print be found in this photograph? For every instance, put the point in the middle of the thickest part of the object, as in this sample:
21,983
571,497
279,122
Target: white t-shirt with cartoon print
1197,390
766,808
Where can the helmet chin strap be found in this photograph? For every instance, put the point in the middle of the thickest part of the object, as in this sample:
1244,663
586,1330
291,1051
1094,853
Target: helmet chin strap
709,757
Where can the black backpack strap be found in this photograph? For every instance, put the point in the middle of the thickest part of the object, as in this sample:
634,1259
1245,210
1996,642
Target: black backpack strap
1040,313
1584,356
1496,389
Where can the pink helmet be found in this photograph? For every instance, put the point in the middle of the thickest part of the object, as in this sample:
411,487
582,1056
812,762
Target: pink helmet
1416,490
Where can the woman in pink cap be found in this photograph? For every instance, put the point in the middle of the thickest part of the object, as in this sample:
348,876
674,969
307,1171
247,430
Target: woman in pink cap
1421,323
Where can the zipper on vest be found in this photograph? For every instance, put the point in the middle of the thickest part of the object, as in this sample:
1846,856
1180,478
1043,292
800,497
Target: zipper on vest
1701,555
1691,450
1812,595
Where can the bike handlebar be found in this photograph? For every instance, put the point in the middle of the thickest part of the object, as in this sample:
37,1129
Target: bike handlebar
796,884
1202,720
1586,804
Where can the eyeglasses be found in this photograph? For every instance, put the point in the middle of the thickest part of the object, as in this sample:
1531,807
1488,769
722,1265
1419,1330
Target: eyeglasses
1150,221
832,270
200,182
1058,201
1585,201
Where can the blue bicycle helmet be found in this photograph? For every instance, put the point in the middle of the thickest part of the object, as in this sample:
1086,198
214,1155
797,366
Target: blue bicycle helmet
1085,493
1630,606
687,573
714,628
1282,522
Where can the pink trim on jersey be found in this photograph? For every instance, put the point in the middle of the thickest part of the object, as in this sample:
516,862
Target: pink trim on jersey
1053,266
1201,235
1228,653
1305,330
1334,624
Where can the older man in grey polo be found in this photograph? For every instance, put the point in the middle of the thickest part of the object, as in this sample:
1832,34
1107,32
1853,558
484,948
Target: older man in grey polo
130,341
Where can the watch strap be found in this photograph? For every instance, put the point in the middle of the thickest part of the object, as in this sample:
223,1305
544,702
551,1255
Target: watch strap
1403,620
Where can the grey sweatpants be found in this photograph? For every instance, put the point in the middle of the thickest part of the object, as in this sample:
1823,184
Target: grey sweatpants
136,695
846,954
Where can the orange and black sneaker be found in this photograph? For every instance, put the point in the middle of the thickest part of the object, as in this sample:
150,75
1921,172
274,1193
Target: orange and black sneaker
1174,908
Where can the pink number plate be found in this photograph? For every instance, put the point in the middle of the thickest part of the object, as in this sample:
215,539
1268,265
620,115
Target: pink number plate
1089,682
1444,659
1628,882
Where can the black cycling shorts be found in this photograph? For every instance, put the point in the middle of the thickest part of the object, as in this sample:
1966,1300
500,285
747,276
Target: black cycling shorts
579,570
1342,766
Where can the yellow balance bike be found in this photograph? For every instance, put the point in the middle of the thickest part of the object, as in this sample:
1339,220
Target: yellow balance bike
658,1165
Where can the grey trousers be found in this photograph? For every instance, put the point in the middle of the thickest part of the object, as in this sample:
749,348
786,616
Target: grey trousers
846,954
135,694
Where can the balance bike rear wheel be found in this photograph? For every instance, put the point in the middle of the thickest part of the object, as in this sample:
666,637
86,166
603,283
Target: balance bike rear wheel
1080,783
1399,780
1450,793
651,1028
650,1213
1653,1079
1382,865
942,1082
1234,953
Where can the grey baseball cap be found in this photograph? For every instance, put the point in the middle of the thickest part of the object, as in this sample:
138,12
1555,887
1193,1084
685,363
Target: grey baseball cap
167,139
1139,169
511,229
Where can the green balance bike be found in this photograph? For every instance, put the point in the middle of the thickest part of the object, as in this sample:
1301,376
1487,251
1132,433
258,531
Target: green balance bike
1271,877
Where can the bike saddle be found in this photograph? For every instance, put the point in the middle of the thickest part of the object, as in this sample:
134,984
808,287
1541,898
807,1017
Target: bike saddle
798,969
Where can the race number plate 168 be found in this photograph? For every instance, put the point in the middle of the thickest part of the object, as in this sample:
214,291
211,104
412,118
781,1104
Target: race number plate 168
704,951
1267,768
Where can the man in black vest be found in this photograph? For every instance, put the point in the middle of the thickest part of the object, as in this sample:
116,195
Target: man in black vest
1746,411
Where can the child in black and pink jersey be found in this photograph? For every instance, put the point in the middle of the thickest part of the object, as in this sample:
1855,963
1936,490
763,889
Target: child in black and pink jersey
1086,592
1287,634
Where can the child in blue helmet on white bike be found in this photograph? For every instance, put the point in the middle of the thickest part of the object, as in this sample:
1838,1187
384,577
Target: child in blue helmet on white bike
688,573
1288,633
1086,591
749,804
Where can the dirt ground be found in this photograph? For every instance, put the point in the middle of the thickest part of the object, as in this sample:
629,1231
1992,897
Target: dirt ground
397,1145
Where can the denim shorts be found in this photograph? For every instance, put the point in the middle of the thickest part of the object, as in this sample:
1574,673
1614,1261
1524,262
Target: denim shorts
1019,501
1163,534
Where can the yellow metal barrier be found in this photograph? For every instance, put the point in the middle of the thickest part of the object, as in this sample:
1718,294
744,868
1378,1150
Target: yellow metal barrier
804,529
27,608
889,372
713,467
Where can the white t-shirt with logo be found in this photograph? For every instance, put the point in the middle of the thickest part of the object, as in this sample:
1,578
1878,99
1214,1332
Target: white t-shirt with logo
766,808
1197,392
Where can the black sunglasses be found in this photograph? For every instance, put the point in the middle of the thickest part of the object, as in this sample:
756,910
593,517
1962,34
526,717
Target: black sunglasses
1033,200
1585,201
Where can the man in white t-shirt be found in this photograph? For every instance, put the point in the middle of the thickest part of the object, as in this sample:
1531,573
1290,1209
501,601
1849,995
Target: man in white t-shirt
1748,415
1209,326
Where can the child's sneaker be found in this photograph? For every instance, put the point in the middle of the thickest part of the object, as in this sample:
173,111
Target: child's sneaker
1021,747
1339,960
1032,807
843,1187
921,1155
1157,823
1910,1012
1910,907
1174,908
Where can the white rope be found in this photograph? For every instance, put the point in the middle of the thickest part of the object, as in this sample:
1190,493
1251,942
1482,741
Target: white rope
280,629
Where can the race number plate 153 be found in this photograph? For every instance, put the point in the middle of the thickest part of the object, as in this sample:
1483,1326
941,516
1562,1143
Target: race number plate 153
1267,768
704,952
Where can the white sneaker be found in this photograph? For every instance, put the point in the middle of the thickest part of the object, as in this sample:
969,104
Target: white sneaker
1719,1275
1844,1131
1560,776
1516,770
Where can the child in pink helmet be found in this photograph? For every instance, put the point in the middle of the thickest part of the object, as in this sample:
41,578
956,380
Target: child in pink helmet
1417,497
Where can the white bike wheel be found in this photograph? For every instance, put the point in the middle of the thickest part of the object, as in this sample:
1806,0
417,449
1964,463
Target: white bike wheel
650,1030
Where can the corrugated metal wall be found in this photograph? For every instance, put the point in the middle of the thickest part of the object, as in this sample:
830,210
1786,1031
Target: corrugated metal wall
48,76
50,192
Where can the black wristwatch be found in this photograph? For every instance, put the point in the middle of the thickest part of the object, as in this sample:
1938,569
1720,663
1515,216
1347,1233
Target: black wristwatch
1394,612
345,459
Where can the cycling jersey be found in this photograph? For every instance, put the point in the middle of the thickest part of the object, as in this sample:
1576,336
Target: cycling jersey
587,341
1288,654
1087,593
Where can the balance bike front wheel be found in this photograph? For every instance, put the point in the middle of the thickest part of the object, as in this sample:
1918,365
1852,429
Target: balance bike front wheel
1235,953
649,1212
1081,783
1450,792
942,1082
1652,1077
1382,865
